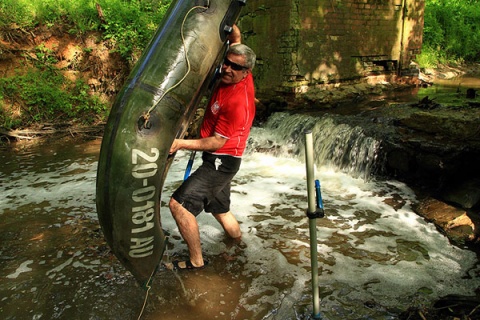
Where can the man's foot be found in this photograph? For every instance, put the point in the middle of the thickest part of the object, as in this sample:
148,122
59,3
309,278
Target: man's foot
187,265
234,242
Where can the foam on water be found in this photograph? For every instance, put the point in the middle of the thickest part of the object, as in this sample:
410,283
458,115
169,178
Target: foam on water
380,253
60,185
368,248
21,269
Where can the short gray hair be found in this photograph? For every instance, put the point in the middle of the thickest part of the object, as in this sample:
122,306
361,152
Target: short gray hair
243,50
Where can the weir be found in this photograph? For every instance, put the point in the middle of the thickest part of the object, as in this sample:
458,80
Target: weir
336,144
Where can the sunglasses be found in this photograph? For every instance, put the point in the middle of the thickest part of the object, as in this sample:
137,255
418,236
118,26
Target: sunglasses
233,65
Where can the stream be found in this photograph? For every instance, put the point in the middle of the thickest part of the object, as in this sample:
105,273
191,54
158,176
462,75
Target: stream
377,258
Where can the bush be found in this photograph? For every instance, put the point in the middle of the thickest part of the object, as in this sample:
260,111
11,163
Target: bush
452,30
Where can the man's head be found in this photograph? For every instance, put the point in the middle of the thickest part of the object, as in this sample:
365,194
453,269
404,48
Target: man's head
238,63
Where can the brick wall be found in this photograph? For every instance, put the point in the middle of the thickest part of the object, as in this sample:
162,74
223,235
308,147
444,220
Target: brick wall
302,44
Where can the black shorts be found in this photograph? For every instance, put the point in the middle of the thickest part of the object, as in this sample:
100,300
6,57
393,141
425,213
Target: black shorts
208,188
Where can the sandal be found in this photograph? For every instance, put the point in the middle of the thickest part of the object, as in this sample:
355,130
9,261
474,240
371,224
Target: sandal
188,265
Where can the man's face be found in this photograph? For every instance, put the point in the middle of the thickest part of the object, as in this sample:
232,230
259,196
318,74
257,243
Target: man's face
233,70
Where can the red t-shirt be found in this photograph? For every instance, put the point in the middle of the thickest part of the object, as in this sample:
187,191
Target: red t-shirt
230,114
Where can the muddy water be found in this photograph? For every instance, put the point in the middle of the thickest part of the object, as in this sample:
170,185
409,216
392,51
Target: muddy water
376,256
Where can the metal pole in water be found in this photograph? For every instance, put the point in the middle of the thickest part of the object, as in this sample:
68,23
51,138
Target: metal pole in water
315,210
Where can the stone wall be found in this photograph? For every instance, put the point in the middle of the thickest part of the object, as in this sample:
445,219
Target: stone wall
305,44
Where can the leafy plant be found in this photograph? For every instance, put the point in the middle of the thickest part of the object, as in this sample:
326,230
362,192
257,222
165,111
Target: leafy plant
46,96
45,57
16,12
451,31
131,26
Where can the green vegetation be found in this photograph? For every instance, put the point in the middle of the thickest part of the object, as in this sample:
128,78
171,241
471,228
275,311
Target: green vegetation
451,32
42,93
129,24
47,95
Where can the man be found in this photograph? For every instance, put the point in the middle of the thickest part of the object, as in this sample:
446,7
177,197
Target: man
223,135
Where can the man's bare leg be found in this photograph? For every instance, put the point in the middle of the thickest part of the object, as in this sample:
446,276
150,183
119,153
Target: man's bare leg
229,224
188,226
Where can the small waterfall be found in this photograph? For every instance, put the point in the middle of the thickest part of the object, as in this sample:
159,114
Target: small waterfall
343,146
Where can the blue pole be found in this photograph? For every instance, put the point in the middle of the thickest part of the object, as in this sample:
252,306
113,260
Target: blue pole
318,192
189,165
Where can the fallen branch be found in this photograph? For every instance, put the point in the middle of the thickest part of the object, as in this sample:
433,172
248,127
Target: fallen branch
30,134
420,314
474,310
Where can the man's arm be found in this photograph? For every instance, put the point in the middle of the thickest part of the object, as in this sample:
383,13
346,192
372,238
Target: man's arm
235,37
205,144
